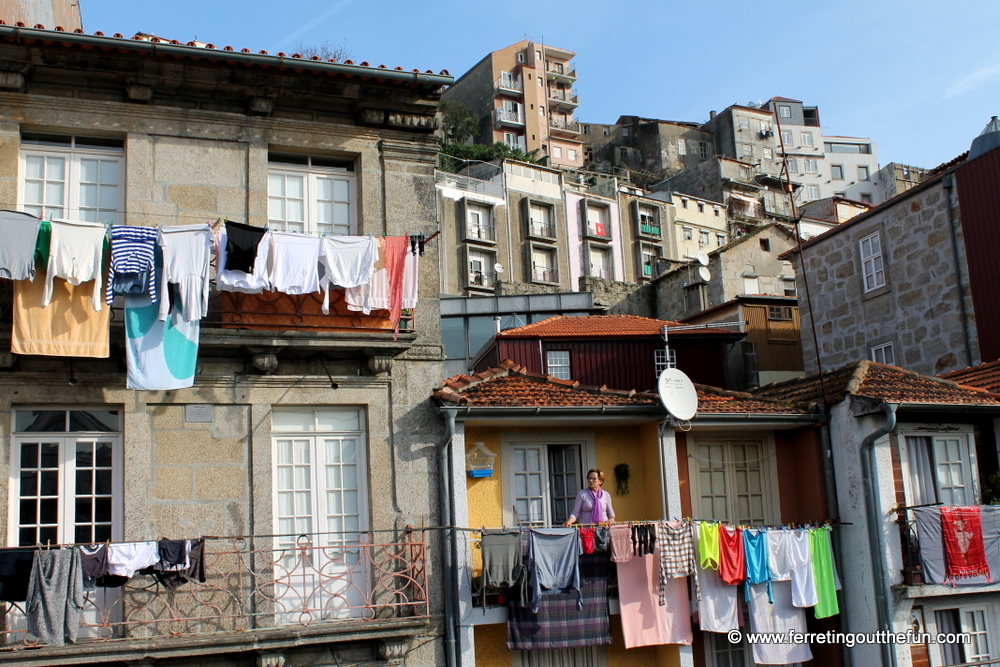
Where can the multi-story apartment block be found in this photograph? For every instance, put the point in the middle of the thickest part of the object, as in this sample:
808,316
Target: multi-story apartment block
525,97
699,225
746,134
895,178
659,148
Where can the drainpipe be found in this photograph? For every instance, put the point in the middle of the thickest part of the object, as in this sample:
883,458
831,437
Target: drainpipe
875,542
448,569
830,478
948,181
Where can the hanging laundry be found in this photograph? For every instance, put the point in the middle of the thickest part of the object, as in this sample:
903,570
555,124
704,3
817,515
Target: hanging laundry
561,621
295,263
642,622
15,573
43,243
503,560
676,555
375,295
602,538
172,580
732,560
554,563
124,560
19,232
76,254
676,613
173,555
621,543
587,540
93,564
755,553
254,281
708,545
779,617
821,552
70,327
643,539
133,255
159,355
241,247
965,552
55,596
778,558
187,253
718,609
803,581
932,545
395,264
349,260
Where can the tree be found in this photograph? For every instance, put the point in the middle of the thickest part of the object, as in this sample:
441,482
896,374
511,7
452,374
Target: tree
326,51
454,157
458,123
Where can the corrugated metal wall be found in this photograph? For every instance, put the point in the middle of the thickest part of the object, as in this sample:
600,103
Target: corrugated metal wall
778,344
979,200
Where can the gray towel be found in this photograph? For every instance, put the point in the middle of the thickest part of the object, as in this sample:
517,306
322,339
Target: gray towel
55,596
932,545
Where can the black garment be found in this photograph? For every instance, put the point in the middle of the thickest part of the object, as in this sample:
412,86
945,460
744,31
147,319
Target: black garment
241,246
15,573
602,539
94,563
172,580
173,552
643,539
111,581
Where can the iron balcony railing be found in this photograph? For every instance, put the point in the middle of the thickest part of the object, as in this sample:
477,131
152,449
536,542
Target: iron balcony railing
259,584
542,228
481,279
480,232
507,116
569,96
564,125
649,229
544,274
600,271
505,83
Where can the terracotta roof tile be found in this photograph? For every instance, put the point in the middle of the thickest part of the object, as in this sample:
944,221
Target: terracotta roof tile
510,385
984,376
889,384
603,326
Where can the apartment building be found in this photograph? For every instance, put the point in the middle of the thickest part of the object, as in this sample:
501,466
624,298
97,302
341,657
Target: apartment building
524,96
658,148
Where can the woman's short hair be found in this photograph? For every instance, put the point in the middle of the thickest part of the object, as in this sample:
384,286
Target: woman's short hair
600,474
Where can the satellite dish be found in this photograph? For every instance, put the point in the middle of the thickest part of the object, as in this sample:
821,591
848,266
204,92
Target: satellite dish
704,273
678,394
498,267
703,258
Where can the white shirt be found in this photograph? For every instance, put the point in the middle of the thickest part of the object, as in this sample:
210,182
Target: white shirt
240,281
76,254
803,583
294,263
125,559
780,617
187,256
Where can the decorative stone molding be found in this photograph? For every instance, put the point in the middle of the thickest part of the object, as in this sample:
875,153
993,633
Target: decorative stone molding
261,106
409,151
11,80
379,364
265,361
139,92
410,121
393,650
372,116
270,659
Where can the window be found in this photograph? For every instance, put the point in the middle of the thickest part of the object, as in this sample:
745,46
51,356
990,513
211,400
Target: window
973,621
744,123
780,313
871,262
586,129
701,207
863,172
600,262
718,213
688,233
650,260
520,57
664,359
310,194
788,287
751,285
768,154
732,480
625,131
812,192
784,111
864,149
720,240
681,147
703,149
807,138
684,203
941,469
598,219
883,354
540,220
811,166
866,197
481,268
793,165
837,172
541,111
557,151
543,265
648,219
702,237
747,149
72,177
478,221
765,245
607,131
541,478
786,138
557,364
572,155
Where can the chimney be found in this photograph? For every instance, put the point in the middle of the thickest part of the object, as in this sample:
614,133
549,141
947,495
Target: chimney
711,115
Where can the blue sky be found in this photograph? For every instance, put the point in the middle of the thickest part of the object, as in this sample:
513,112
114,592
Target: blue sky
919,78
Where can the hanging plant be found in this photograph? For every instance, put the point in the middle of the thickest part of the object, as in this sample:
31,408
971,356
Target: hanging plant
621,479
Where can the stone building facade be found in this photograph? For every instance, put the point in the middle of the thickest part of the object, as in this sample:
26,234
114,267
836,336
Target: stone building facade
185,134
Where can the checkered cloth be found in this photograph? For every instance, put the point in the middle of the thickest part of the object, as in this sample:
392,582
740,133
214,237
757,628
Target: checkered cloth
677,557
560,623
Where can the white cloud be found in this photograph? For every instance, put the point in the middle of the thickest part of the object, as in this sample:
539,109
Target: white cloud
973,80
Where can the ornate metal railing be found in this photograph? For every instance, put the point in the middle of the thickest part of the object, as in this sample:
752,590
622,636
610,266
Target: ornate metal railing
252,585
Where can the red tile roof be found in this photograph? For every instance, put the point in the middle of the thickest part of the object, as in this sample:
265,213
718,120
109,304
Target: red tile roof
602,326
984,376
280,60
888,384
510,385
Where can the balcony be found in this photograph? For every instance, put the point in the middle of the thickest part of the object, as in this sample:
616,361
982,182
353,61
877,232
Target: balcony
563,98
274,591
542,229
509,86
560,71
559,126
507,118
544,274
482,279
480,232
600,231
648,227
601,271
918,582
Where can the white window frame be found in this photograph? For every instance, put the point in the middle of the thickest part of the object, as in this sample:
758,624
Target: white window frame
882,354
604,269
966,465
479,221
964,627
807,138
664,358
872,265
784,111
703,237
812,165
311,176
71,207
688,233
588,460
769,474
747,150
720,240
488,258
681,146
836,169
571,155
812,192
786,138
558,364
768,154
793,165
553,255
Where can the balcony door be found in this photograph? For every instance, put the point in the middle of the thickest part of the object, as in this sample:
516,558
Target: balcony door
320,513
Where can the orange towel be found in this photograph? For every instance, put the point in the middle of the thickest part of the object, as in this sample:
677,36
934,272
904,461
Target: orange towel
67,327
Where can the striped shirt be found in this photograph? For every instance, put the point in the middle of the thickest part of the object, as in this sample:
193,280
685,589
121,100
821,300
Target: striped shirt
132,251
677,558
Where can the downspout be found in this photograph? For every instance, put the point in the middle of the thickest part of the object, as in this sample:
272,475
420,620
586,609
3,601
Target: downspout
875,541
948,181
830,479
448,569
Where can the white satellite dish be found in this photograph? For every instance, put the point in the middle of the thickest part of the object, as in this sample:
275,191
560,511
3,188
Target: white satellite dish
703,258
704,273
678,394
498,267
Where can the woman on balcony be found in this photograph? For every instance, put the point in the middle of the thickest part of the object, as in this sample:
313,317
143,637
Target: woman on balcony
593,504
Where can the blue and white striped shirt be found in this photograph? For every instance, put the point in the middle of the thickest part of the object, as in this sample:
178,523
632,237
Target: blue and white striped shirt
132,251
